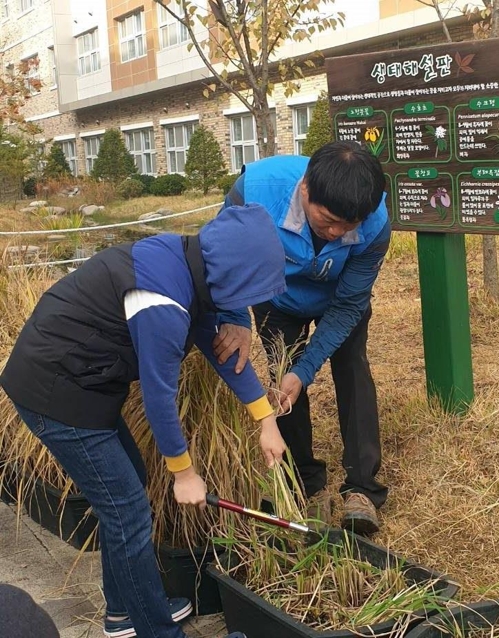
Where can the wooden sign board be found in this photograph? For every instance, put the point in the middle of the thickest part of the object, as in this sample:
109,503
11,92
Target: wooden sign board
431,115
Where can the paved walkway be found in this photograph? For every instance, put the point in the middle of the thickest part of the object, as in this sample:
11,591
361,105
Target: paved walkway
43,565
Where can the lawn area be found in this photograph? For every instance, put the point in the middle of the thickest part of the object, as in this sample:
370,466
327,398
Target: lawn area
115,212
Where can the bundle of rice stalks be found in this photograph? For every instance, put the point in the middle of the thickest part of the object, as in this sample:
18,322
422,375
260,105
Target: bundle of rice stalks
20,289
223,444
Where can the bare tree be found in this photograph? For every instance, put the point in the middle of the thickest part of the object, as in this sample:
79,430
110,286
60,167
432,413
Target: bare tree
239,43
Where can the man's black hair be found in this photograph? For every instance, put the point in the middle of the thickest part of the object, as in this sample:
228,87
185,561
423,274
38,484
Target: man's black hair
346,179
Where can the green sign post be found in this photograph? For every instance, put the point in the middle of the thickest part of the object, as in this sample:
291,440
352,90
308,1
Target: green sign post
431,116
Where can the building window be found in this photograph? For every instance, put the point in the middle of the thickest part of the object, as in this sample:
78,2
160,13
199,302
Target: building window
88,52
301,121
25,5
243,141
244,144
31,67
132,37
4,9
171,31
53,75
178,138
141,145
92,146
69,150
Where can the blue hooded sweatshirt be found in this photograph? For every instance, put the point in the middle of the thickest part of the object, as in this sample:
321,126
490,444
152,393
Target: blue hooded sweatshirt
243,267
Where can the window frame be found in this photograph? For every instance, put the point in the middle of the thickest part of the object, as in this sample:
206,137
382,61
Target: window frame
182,150
136,37
142,153
92,54
245,143
242,143
299,138
25,6
71,158
165,21
33,73
52,65
90,157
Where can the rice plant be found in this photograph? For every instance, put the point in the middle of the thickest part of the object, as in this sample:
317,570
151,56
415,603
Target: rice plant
223,444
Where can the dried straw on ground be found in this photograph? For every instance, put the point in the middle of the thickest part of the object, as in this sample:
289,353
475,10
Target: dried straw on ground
443,470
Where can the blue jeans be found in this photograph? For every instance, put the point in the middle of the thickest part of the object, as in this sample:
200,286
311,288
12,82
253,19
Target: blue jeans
107,467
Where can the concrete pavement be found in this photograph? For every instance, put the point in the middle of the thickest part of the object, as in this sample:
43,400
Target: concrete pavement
44,565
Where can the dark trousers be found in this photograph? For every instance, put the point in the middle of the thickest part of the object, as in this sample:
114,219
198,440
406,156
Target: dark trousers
355,397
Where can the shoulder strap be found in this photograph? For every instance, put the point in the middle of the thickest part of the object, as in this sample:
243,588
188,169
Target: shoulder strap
195,261
202,301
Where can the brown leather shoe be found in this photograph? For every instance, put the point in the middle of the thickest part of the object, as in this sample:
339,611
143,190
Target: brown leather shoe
319,507
359,514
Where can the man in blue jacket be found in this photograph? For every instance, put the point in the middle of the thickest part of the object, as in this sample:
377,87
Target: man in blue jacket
332,221
132,312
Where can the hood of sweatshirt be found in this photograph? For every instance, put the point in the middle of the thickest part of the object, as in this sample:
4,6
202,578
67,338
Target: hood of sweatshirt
243,256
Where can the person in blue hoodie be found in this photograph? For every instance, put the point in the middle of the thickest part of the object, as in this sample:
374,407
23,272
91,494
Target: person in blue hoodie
332,221
132,312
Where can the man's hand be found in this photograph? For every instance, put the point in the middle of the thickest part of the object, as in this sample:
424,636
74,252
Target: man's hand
189,488
271,441
291,387
229,339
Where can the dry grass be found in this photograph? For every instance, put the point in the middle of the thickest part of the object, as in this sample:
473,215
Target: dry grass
223,447
442,470
117,211
11,219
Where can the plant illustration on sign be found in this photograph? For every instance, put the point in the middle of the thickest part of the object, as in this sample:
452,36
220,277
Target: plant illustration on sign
374,138
494,136
439,135
440,201
463,64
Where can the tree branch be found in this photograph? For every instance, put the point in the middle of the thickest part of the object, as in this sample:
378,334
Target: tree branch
186,22
265,43
235,40
494,20
436,5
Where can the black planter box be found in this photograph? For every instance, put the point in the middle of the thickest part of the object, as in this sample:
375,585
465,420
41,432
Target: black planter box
184,573
69,521
8,484
245,611
465,617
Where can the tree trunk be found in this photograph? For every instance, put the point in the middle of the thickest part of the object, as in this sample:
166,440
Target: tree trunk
490,271
265,133
494,20
489,246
